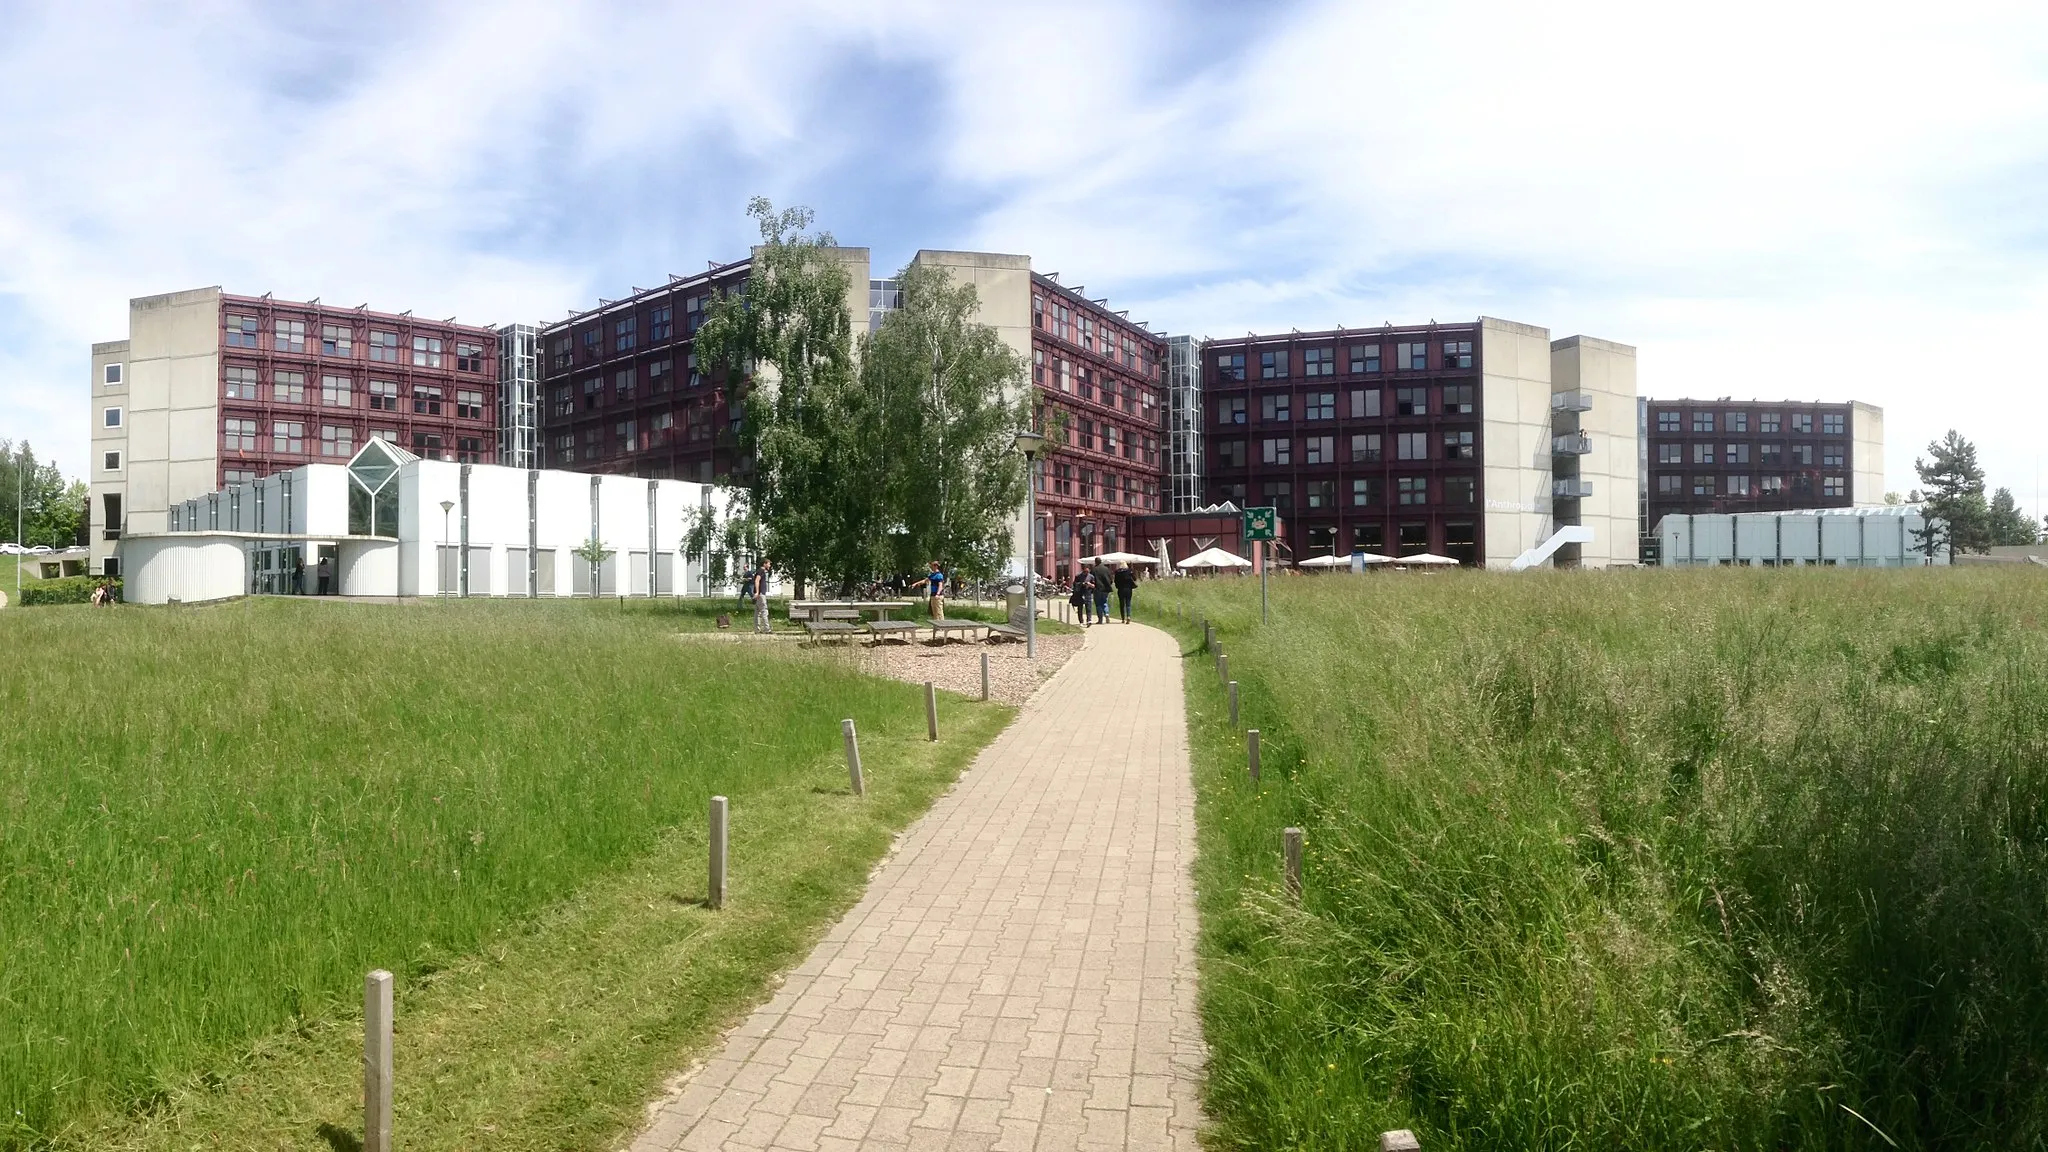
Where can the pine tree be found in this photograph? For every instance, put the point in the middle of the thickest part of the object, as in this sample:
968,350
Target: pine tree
1958,520
2008,526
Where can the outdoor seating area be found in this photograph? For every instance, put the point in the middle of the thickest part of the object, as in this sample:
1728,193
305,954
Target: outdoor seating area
847,620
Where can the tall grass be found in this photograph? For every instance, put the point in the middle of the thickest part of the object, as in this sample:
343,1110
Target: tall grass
213,821
1643,860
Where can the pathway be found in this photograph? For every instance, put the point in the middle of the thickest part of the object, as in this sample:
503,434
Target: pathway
1021,972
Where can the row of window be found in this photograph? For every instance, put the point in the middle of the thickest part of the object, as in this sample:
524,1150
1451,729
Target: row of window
1066,479
1831,423
239,382
1107,437
1457,491
658,376
1360,359
243,331
1079,327
1076,380
1672,485
1359,404
697,426
1832,454
1364,448
627,333
290,438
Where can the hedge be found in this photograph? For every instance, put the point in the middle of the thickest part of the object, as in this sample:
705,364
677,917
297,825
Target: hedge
68,590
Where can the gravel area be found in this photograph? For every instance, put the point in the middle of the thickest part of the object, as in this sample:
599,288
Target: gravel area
954,666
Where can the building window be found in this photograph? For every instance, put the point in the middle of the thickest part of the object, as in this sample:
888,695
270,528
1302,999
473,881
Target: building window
1066,376
1802,454
1084,387
1767,422
1802,422
1365,358
661,372
1703,453
1274,407
1365,448
289,336
288,387
241,382
1737,485
384,346
1458,399
1320,406
469,450
1412,490
1230,411
624,333
1230,365
1831,455
426,351
426,445
1667,421
1280,496
337,440
334,392
288,436
1457,353
1109,443
1669,485
690,366
1831,424
238,435
426,400
1411,401
111,375
1038,312
1319,362
1322,493
693,315
660,322
383,396
387,435
1411,446
1273,365
1365,403
110,417
1670,453
1411,357
558,352
565,446
1060,317
469,356
1319,449
1038,367
1771,453
469,405
622,383
1230,453
1458,489
1738,421
1703,421
1703,485
336,340
110,462
1772,485
1738,454
1365,492
238,331
1276,450
1459,446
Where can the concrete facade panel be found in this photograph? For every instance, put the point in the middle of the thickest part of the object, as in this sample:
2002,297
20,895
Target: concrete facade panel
1515,434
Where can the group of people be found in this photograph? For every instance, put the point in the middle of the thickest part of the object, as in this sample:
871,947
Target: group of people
1091,589
755,585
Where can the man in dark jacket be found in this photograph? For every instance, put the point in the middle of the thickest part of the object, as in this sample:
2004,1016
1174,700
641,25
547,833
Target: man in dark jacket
1104,581
1126,583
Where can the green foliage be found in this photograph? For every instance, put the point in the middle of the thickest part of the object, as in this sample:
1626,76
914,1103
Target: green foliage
1651,860
2005,524
1958,520
68,590
502,803
52,512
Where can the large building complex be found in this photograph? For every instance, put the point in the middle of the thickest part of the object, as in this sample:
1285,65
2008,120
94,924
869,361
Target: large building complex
1730,456
1471,440
211,389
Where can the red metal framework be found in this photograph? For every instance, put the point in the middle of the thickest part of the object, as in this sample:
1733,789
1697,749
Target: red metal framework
270,350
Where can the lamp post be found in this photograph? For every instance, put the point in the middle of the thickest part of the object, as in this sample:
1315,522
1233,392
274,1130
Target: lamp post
1030,444
441,561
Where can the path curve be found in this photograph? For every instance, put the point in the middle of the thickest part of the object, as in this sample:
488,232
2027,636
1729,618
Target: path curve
1020,974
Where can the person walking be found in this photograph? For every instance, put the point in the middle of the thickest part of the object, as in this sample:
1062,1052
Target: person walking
757,587
1104,581
935,584
1126,584
325,569
1083,596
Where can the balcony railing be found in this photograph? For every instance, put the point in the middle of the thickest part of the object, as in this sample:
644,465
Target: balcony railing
1571,444
1571,402
111,534
1571,489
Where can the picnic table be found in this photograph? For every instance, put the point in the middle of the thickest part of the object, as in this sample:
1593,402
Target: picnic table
818,611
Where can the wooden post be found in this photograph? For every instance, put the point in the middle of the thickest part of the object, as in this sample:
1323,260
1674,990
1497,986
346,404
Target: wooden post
931,711
1251,744
1399,1140
1208,636
1290,847
860,784
717,896
377,1062
1223,668
984,675
1233,703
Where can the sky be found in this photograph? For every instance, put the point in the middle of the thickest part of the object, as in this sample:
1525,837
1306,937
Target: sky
1779,200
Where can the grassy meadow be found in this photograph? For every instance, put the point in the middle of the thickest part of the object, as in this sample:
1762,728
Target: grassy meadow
215,820
1729,859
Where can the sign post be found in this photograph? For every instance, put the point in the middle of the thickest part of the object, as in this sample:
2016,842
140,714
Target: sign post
1258,526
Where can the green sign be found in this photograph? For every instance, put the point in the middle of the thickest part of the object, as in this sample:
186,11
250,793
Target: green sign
1258,523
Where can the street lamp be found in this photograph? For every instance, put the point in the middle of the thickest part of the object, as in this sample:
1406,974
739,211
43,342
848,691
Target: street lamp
1030,444
441,561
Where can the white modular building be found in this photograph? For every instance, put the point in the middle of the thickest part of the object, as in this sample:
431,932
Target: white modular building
390,524
1883,536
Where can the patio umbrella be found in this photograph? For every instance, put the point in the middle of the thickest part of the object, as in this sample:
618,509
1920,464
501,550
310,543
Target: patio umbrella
1215,558
1425,558
1121,558
1325,562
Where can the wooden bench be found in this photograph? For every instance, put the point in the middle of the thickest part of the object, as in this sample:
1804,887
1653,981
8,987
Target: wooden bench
819,629
1006,632
943,629
904,630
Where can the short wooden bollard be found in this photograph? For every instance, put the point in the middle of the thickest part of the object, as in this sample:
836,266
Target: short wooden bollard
984,675
1290,849
1399,1140
1208,637
931,711
716,899
1233,703
1223,668
860,783
377,1062
1251,747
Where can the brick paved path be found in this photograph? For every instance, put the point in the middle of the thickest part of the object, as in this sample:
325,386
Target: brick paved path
1020,974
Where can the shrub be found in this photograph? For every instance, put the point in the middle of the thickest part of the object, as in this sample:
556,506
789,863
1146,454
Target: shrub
69,590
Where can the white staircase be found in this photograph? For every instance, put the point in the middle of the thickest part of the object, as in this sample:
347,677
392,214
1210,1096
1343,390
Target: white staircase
1569,534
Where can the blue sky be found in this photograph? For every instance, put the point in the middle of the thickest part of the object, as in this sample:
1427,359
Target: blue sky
1770,200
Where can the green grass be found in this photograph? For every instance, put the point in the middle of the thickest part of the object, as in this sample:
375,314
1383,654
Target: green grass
1645,860
215,820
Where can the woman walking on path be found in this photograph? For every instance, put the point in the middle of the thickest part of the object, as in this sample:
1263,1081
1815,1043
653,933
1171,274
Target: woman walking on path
936,582
1126,583
756,585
